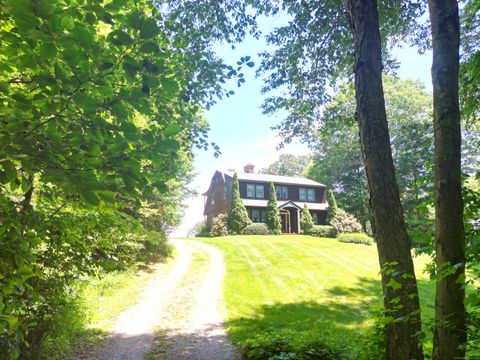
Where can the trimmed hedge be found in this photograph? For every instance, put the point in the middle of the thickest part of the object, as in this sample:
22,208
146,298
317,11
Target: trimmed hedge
322,231
257,229
356,238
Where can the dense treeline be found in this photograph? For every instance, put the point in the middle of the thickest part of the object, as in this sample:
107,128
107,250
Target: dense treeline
101,111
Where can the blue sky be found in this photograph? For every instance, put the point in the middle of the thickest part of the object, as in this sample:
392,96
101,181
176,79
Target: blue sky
244,134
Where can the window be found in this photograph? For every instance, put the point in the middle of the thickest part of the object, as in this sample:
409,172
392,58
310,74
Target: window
212,199
302,194
282,192
305,194
259,191
315,218
250,191
311,195
255,191
257,215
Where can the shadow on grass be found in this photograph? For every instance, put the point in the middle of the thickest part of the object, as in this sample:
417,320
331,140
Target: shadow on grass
341,319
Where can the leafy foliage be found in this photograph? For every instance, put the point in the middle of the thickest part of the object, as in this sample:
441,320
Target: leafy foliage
344,222
257,229
338,155
238,218
280,345
470,61
326,231
199,229
219,225
306,220
314,52
101,111
273,216
356,238
332,205
287,165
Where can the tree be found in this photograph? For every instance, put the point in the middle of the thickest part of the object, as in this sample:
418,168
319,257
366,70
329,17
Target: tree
332,205
470,61
450,317
337,159
287,165
390,231
237,215
306,220
101,111
315,50
273,216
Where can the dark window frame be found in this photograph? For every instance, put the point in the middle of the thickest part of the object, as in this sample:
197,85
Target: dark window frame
255,191
283,191
309,194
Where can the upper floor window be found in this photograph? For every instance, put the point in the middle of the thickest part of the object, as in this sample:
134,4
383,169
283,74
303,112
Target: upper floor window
282,192
306,194
255,191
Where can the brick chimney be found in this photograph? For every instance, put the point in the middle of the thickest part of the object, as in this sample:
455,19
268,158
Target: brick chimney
249,168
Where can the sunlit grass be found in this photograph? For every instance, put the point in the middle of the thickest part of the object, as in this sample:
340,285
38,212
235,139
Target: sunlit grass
315,286
106,297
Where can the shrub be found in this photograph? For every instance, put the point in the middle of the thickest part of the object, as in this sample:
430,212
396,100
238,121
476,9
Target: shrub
199,229
357,238
273,216
238,218
306,221
332,206
220,225
281,345
327,231
344,222
257,229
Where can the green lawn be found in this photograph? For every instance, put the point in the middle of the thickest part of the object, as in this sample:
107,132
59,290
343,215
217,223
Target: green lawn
309,287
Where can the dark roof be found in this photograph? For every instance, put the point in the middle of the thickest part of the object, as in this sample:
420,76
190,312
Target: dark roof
275,179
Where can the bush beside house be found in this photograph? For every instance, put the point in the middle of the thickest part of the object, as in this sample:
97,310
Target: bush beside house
273,216
344,222
238,218
326,231
332,205
257,229
306,220
219,225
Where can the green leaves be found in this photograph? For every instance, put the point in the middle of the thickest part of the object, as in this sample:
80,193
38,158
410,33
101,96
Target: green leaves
120,38
149,29
170,86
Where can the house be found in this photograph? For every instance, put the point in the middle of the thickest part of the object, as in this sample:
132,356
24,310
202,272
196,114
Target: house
292,194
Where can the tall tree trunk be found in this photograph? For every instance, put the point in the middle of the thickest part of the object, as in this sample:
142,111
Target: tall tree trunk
398,277
450,328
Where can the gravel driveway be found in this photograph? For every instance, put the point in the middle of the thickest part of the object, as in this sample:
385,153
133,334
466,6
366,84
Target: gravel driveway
178,316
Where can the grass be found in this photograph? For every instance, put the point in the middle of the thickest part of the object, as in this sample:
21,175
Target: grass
309,286
106,297
88,318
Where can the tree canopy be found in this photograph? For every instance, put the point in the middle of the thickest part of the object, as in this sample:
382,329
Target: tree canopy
287,165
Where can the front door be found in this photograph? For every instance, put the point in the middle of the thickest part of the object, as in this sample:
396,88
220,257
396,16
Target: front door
285,217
